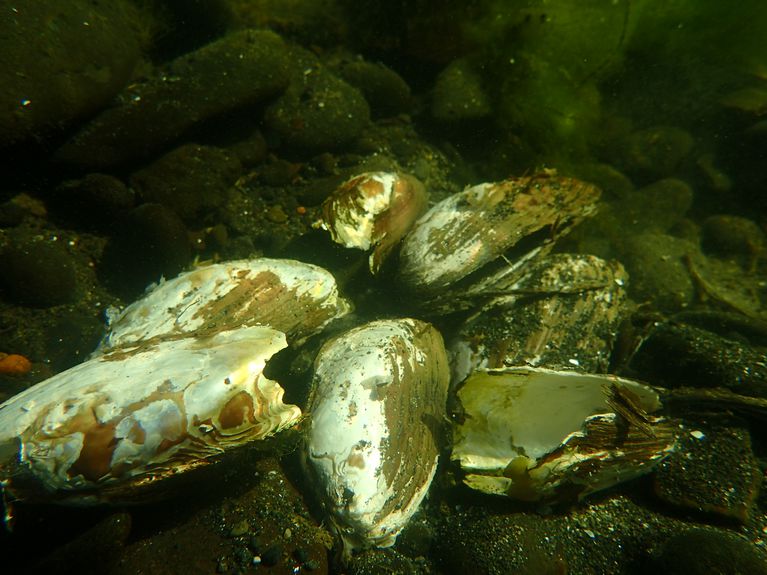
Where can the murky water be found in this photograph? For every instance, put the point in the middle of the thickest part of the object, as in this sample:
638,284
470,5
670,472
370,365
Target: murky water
144,139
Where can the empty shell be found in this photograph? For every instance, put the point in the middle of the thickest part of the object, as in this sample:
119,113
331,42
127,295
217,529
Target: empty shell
533,433
374,210
127,418
563,313
295,298
518,219
378,399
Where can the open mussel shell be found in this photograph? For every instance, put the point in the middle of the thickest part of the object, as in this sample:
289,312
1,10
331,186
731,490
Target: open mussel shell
507,223
563,313
295,298
537,434
378,401
374,210
127,418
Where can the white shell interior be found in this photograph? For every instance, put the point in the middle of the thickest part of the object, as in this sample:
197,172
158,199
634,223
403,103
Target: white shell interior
529,412
159,392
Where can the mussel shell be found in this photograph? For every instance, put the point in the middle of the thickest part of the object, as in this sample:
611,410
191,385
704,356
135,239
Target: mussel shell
563,313
517,218
124,419
374,210
534,433
295,298
378,399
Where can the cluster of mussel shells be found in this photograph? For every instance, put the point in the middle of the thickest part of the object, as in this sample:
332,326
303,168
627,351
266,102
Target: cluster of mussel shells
179,378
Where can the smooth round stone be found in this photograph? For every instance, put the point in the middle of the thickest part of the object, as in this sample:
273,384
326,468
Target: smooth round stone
37,274
62,61
732,235
709,552
318,112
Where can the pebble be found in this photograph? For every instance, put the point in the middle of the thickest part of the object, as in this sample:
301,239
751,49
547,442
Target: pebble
37,274
70,70
458,94
243,556
658,151
702,551
301,555
725,234
240,528
11,214
192,180
318,112
657,206
655,263
385,90
716,474
276,214
94,202
272,555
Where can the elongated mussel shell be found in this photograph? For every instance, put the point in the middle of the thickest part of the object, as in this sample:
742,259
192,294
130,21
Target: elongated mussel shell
126,418
538,434
518,219
378,399
563,313
295,298
374,210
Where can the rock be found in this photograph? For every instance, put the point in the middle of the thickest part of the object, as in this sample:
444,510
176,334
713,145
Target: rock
707,551
239,70
657,152
729,235
677,355
712,471
657,207
656,266
62,61
386,92
151,242
191,180
317,24
251,151
94,202
382,562
37,273
11,214
613,183
458,94
728,324
496,539
92,552
319,111
186,26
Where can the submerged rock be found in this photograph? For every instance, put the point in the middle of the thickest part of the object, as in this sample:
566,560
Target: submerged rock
192,180
38,274
714,472
62,61
240,69
318,111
